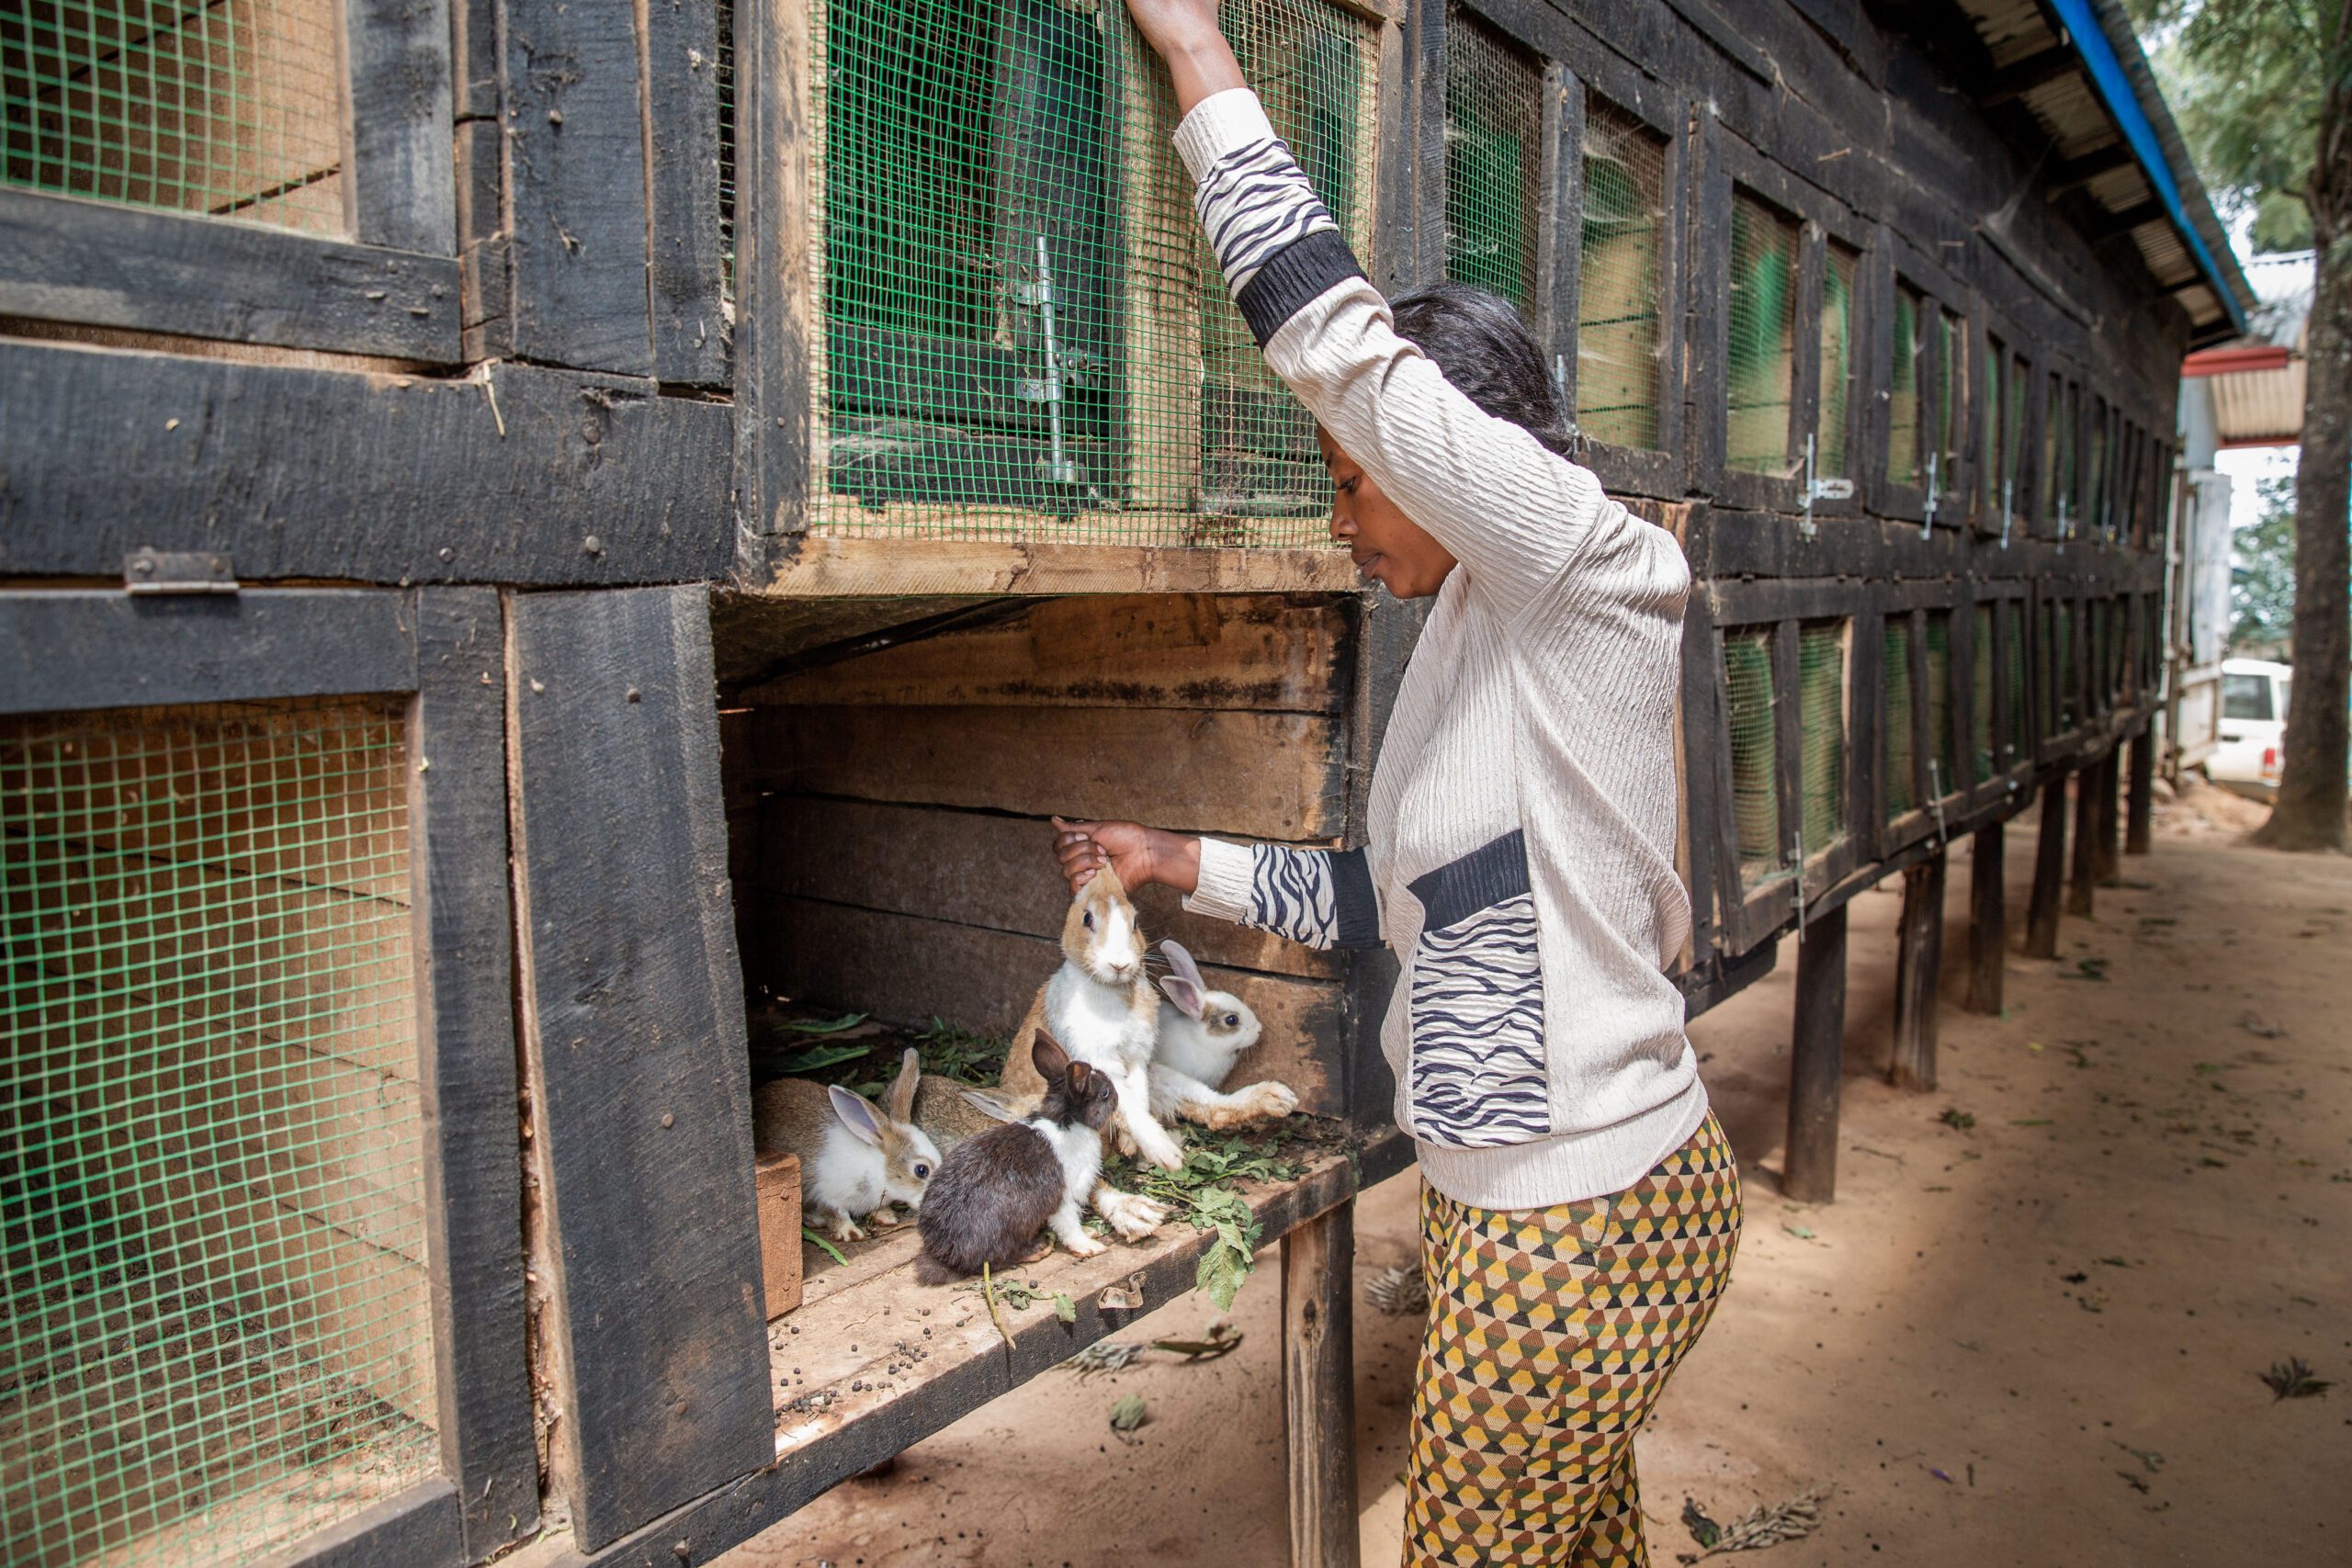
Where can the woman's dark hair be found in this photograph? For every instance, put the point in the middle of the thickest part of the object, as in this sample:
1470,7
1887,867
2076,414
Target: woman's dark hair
1483,348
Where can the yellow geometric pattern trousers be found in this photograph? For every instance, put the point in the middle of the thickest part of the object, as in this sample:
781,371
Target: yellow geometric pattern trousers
1551,1332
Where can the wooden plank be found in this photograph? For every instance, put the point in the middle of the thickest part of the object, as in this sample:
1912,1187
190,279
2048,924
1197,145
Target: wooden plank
473,1190
1263,776
67,259
904,967
779,349
1154,651
826,564
402,193
1917,966
686,275
1320,1388
577,187
528,476
1816,1054
2140,818
420,1526
977,869
2083,879
1988,925
633,1023
778,1178
2048,872
2106,863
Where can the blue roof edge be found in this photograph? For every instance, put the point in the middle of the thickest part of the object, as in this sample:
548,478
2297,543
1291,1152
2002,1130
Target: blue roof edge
2090,43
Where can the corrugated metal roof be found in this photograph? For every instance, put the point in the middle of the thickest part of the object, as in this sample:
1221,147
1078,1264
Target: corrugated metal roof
2263,408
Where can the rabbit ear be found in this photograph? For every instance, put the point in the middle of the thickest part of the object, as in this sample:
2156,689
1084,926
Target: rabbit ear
1050,1059
1184,993
1082,1081
902,1089
991,1102
1182,962
855,1115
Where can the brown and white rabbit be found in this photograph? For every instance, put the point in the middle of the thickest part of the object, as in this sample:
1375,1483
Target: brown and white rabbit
1000,1186
1201,1032
948,1112
1100,1005
855,1161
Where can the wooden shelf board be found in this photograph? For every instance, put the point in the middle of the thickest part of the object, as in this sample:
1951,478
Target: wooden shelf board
818,565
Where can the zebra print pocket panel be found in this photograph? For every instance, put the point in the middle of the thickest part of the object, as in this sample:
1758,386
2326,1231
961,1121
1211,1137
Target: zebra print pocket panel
1477,1078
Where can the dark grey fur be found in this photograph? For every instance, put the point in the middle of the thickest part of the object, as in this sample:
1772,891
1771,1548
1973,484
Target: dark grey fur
995,1190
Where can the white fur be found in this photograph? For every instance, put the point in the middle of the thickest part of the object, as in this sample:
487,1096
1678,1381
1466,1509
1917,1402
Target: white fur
852,1175
1079,1148
1098,1024
1191,1062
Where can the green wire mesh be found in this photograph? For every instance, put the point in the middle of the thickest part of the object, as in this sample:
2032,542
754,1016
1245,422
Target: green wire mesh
1025,336
1979,690
2015,745
1943,778
1620,340
1839,357
1761,324
233,108
1821,714
2012,493
218,1331
1903,465
1952,338
1755,764
1494,162
1898,754
2095,508
2065,679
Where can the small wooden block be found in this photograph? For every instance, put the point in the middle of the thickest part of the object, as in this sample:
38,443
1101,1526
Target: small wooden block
778,1177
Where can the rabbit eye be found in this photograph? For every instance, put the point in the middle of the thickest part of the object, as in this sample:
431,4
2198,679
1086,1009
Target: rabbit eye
922,1172
1233,1021
1089,918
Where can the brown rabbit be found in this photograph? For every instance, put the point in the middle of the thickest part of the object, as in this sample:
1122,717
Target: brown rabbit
997,1188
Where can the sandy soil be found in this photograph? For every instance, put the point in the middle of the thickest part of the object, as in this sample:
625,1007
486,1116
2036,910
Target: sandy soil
2034,1339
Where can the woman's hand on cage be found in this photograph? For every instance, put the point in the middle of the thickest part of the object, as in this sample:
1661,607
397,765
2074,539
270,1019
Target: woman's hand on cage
1139,854
1185,34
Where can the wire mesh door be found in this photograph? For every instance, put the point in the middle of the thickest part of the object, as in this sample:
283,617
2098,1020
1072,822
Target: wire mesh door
1024,335
1620,291
218,1335
1761,322
234,108
1494,165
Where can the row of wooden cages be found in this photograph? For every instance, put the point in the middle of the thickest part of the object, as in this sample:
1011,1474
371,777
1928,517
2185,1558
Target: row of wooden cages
710,306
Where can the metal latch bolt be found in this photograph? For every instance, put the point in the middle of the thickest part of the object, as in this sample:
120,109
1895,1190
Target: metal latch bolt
1818,489
148,570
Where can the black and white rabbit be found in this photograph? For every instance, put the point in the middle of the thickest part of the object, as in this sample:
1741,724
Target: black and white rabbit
997,1188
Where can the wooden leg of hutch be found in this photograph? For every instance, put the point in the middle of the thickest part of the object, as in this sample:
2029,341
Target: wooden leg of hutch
2082,883
2107,860
1918,961
2049,873
1320,1388
1817,1052
2141,819
1988,922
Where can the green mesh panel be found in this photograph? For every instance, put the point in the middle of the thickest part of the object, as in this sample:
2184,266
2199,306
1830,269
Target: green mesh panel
1620,321
233,108
1952,352
1898,754
1494,162
1025,336
2095,507
1754,766
1839,362
1761,324
1943,778
2053,435
218,1330
1980,687
1903,384
2013,391
2016,743
1821,713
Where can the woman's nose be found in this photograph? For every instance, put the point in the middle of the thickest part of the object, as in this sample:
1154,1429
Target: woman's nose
1342,525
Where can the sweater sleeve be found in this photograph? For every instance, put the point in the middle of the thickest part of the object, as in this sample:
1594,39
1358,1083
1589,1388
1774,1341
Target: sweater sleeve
1509,509
1322,897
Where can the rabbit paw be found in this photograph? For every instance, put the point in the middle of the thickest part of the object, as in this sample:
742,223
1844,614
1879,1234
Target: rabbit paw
1159,1148
846,1229
1125,1141
1085,1245
884,1218
1131,1214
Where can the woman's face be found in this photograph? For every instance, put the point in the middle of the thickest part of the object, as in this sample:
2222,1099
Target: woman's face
1388,549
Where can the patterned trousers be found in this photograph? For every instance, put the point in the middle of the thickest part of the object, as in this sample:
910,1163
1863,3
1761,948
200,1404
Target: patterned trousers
1551,1332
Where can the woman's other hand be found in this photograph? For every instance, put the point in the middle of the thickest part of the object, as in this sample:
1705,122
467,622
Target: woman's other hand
1185,34
1139,854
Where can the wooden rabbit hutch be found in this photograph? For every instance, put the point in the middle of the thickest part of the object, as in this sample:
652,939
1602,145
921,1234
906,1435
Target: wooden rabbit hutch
523,525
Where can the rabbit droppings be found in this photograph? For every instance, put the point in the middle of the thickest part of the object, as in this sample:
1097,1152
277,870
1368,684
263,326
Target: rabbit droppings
1201,1032
991,1195
854,1160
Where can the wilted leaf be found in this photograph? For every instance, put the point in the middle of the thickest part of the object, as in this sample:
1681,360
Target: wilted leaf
1957,1119
816,1058
2292,1380
1772,1524
823,1026
1065,1308
1128,1414
1703,1530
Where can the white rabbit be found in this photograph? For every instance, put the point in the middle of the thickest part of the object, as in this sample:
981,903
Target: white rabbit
854,1161
1201,1032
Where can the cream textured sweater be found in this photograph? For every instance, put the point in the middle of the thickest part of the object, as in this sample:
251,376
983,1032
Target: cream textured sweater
1519,853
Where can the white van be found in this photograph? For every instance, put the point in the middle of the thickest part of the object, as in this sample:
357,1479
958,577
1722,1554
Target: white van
2253,727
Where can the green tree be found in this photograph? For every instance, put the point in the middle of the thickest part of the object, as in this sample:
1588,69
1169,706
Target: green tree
2262,89
2262,584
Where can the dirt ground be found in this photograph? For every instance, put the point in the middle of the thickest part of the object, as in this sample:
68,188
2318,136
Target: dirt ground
2034,1338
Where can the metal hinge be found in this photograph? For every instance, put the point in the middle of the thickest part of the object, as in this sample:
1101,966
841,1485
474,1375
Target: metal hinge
1818,489
2008,510
146,570
1928,513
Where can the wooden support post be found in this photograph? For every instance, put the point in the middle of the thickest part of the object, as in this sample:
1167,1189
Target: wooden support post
1320,1388
2049,873
2107,860
1988,922
2083,878
1817,1054
1919,960
2140,819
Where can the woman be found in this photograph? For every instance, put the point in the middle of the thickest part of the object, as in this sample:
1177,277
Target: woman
1580,1207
